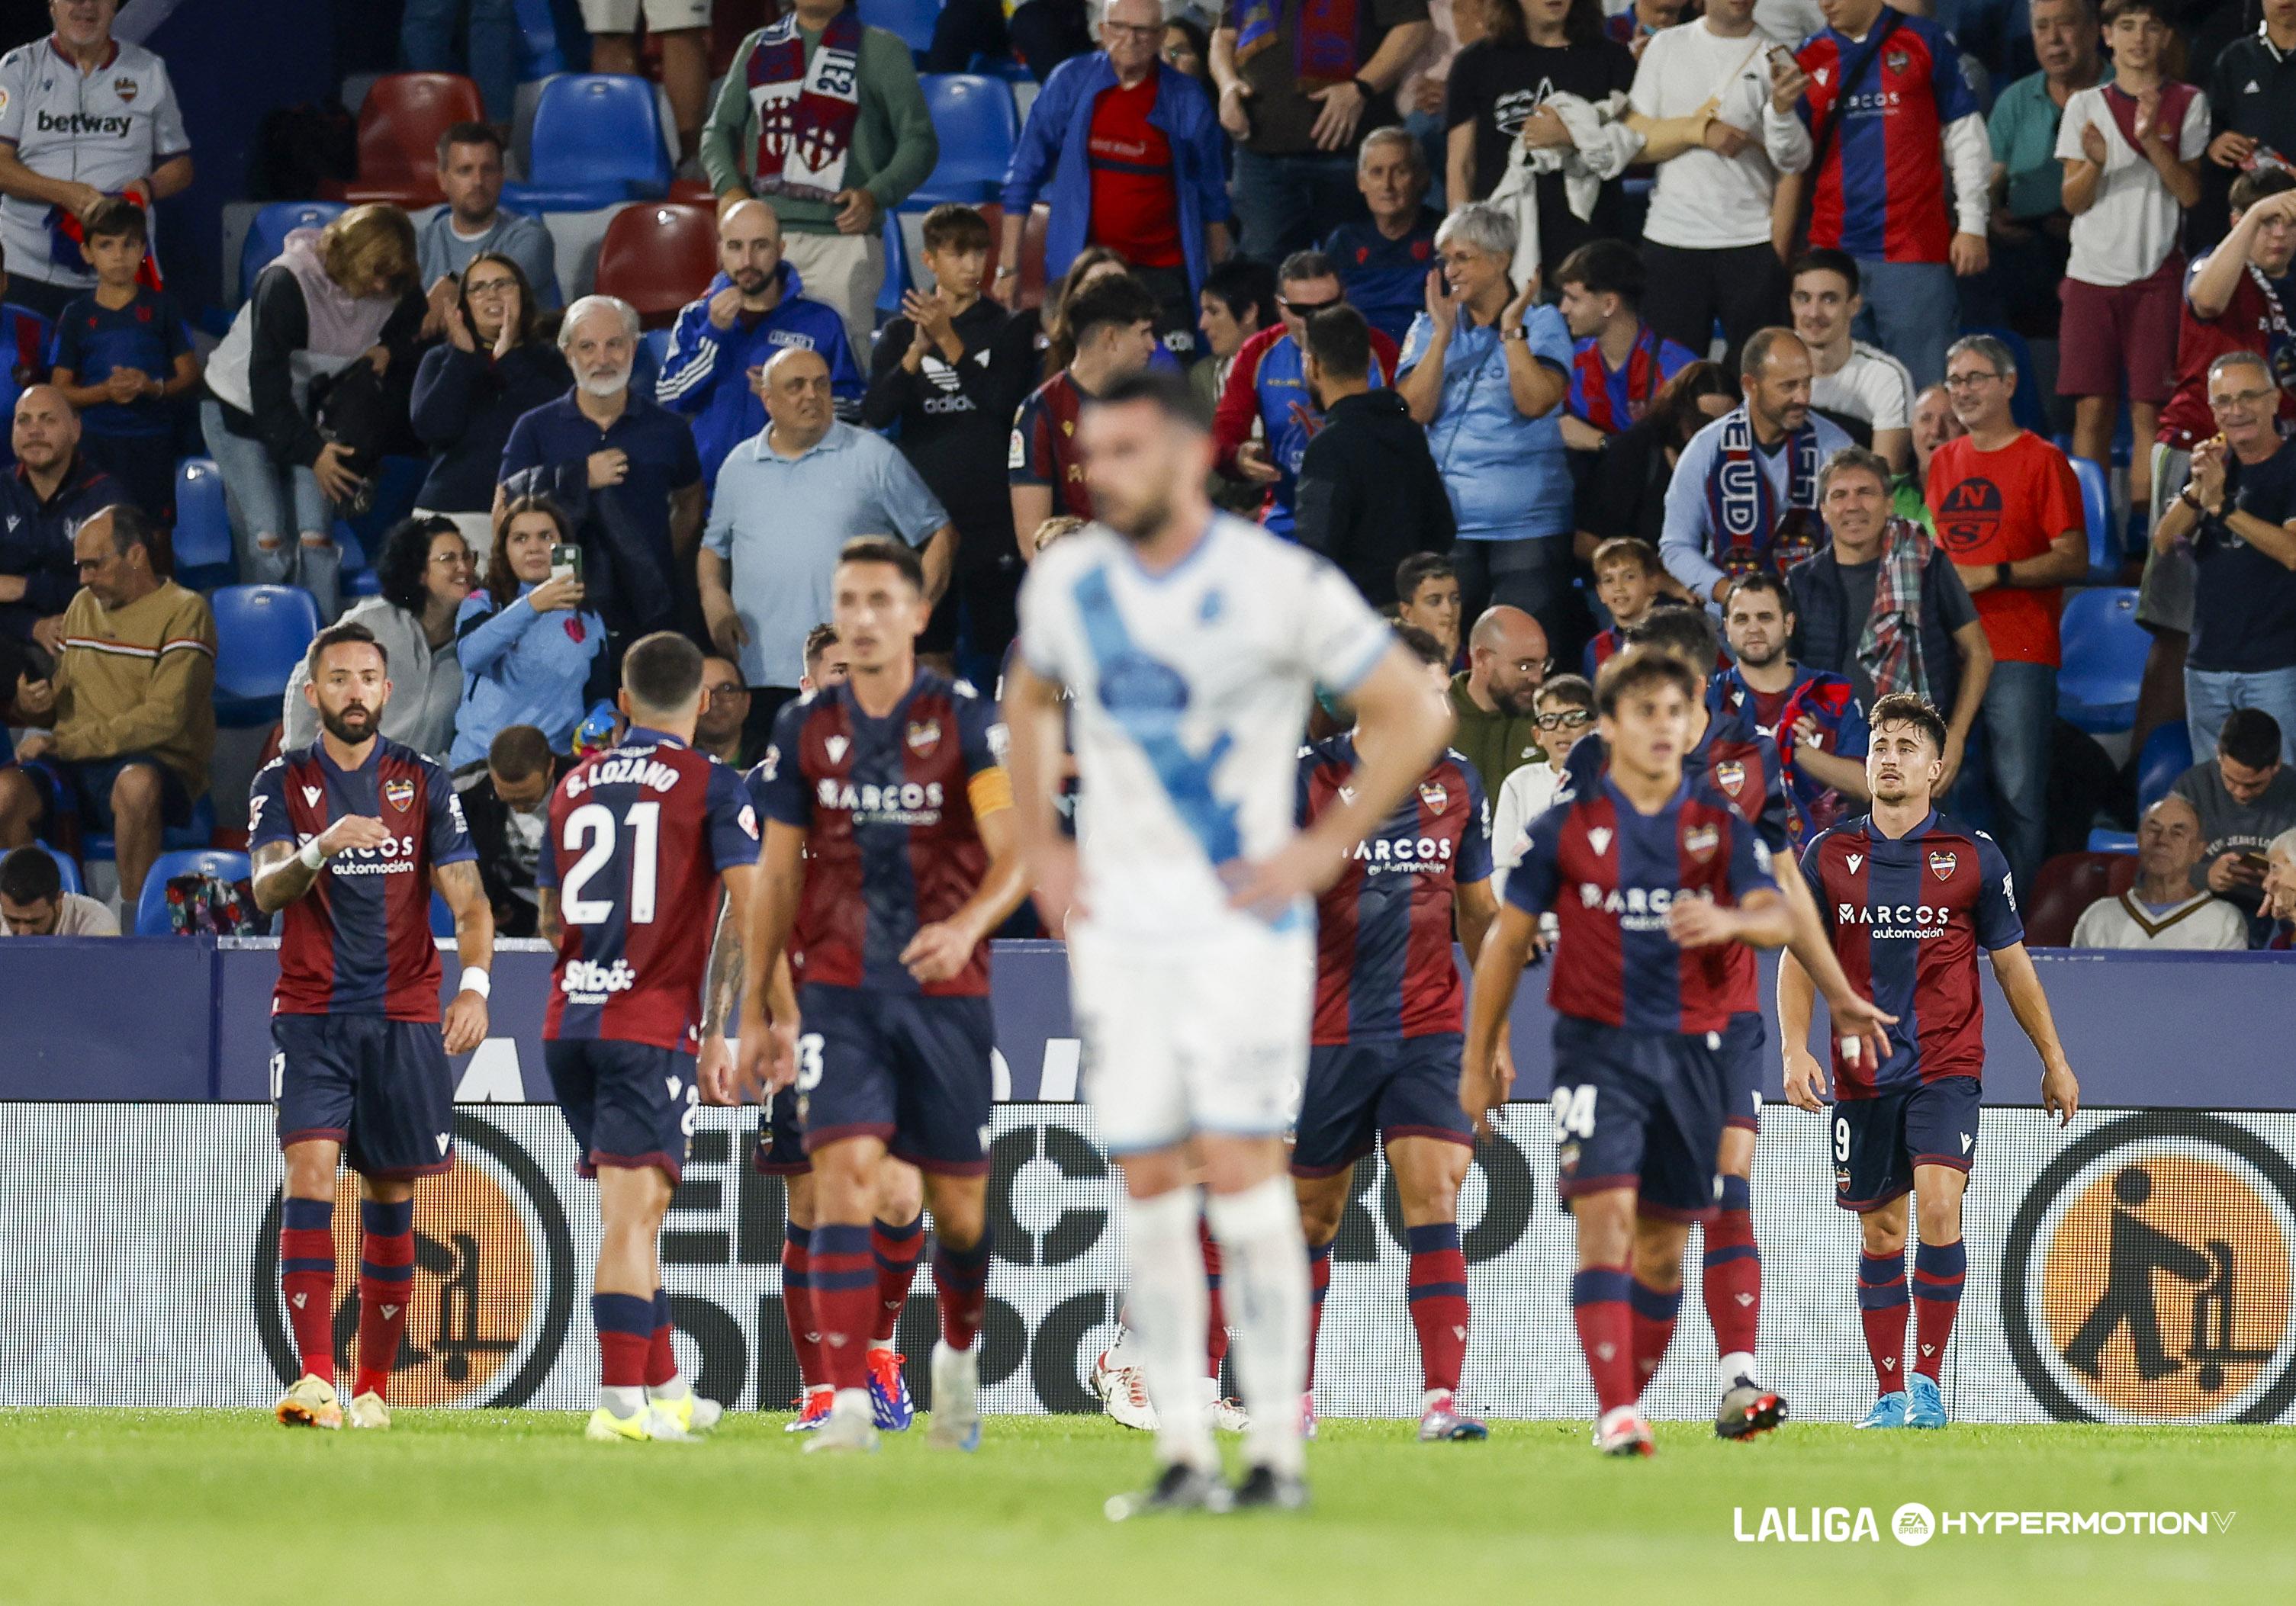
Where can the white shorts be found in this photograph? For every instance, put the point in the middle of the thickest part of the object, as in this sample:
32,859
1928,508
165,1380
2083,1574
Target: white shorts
1207,1036
662,16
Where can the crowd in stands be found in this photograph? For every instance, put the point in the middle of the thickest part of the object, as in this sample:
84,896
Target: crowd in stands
1539,318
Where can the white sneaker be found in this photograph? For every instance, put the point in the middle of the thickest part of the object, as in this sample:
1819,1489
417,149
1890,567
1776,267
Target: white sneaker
1624,1432
848,1429
1123,1391
367,1411
1227,1415
956,1398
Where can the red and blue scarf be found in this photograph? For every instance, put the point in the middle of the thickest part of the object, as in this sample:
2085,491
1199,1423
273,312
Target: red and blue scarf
806,113
1751,532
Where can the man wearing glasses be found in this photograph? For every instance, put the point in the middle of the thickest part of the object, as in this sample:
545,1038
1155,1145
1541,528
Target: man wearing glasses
724,705
1492,701
2008,513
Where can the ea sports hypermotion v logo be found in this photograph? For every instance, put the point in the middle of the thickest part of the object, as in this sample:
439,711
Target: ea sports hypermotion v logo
2148,1276
493,1279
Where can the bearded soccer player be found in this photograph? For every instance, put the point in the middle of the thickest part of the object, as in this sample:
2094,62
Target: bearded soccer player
1383,1060
350,835
1909,895
641,837
1656,883
888,862
1738,765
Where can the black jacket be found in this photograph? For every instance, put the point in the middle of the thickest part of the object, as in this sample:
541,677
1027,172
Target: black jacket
488,816
1825,637
464,402
1370,495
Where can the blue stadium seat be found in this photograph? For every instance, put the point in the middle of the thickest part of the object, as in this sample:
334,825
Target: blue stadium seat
442,918
654,348
204,556
267,234
96,847
978,125
2104,651
365,583
261,631
2167,754
67,868
912,19
597,141
898,277
151,907
2097,514
2102,841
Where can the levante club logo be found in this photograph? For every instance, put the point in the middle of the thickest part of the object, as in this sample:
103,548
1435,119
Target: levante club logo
2148,1276
494,1280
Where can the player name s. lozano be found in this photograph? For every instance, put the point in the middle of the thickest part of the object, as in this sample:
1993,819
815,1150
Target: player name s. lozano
587,981
632,771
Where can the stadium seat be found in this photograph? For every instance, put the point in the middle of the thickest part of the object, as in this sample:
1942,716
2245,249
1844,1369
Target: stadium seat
96,847
2096,514
897,281
2105,840
261,631
267,236
2067,884
912,19
658,258
979,126
398,129
2104,651
597,140
442,918
2167,754
67,868
152,906
204,557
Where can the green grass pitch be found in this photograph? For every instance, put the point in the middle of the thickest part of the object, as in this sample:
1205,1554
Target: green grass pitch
192,1507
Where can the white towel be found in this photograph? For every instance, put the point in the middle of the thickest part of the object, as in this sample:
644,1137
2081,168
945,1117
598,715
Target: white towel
1603,146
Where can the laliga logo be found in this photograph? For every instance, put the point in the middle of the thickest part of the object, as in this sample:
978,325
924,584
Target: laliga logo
494,1280
2148,1276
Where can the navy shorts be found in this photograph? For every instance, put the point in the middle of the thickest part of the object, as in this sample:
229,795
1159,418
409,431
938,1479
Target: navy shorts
1742,1041
380,1087
1639,1109
781,1138
84,789
1360,1092
629,1105
914,1071
1878,1141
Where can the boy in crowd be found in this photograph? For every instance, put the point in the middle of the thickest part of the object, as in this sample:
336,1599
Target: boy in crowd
1627,577
1427,598
122,353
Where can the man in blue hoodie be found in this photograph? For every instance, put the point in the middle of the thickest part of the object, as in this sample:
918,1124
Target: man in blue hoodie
754,307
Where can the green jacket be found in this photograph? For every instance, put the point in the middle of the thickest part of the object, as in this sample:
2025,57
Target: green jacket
894,146
1497,745
1906,502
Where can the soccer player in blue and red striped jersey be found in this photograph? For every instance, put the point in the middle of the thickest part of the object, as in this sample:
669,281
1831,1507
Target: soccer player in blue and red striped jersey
640,839
1879,185
1909,895
1655,882
1383,1060
1112,327
1620,362
350,836
888,862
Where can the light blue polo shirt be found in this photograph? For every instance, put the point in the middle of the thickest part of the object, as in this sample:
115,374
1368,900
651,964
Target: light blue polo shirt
780,521
1508,476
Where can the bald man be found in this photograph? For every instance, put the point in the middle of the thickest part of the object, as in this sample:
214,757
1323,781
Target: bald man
1497,725
2161,911
52,489
756,307
788,498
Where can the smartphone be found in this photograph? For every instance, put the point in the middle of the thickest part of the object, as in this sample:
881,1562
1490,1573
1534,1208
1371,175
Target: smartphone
2257,862
566,563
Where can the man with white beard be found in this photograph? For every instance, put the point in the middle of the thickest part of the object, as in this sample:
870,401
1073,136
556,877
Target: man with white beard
624,468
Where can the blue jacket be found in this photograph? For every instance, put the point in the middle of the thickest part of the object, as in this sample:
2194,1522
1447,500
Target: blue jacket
705,375
520,668
1053,159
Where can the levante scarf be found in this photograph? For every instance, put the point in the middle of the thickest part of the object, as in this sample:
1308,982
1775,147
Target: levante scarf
1750,531
1324,52
806,114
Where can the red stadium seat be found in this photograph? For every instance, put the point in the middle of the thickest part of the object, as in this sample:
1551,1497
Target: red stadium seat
398,129
2067,884
658,255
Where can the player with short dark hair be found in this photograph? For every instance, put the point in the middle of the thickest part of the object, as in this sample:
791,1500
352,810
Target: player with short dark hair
1656,883
641,838
1811,714
1384,1056
1908,895
361,1072
888,860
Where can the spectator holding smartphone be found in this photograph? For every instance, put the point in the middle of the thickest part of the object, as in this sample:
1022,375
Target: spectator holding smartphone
2245,797
525,643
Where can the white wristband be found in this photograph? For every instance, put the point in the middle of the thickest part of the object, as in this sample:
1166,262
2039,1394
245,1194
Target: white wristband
312,855
475,980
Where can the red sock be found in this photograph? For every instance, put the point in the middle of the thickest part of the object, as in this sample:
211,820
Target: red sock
386,1280
797,1306
1732,1279
1319,1283
662,1350
1938,1270
1598,1308
1216,1322
895,1248
844,1301
306,1278
1882,1313
1438,1302
625,1323
961,1288
1651,1327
